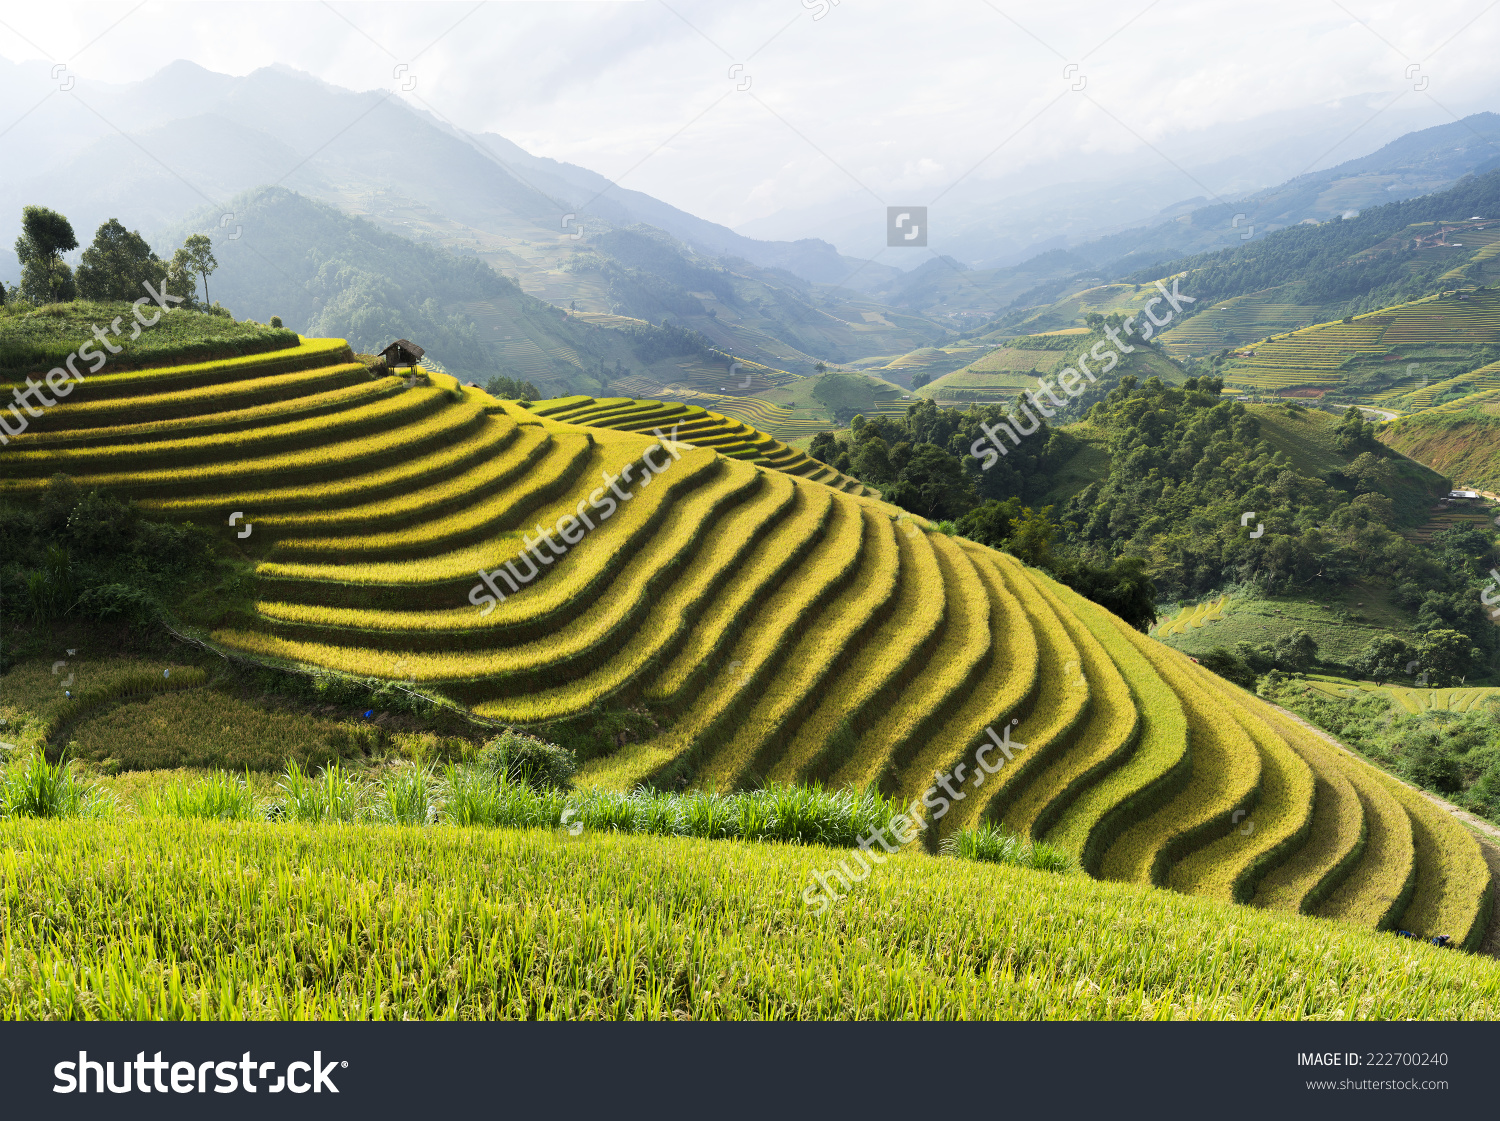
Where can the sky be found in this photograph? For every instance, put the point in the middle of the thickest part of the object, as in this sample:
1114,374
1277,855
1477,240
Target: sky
736,111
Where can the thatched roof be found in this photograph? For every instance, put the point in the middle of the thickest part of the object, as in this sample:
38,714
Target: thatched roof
400,348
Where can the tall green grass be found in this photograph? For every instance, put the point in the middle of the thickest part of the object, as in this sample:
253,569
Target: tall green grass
334,794
479,794
32,787
218,797
995,846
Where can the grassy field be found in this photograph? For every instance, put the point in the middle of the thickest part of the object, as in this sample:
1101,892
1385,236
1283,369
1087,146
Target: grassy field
202,920
31,340
1463,444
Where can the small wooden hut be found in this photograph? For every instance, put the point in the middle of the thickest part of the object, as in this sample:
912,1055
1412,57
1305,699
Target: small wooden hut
402,353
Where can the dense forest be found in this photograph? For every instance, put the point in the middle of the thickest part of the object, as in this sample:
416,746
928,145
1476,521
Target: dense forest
1184,463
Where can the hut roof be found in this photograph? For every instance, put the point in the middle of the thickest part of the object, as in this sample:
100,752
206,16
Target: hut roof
404,346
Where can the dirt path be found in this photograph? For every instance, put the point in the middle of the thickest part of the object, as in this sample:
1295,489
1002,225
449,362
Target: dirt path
1489,842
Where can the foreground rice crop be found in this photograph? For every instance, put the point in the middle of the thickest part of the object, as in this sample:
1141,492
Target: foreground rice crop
226,920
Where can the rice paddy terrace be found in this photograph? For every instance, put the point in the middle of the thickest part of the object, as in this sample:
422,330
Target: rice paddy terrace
1408,699
1389,354
779,629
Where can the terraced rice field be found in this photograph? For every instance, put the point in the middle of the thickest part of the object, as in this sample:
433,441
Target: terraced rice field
1421,397
697,426
1413,700
1233,323
1193,617
1315,356
779,624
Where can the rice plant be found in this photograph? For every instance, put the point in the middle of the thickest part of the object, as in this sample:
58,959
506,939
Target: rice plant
256,922
220,796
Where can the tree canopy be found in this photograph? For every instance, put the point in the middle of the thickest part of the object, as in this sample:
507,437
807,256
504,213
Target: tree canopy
117,264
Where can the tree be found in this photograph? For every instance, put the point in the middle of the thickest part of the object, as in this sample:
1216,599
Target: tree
46,233
117,264
45,236
1295,652
872,461
512,389
824,447
200,254
1384,658
1230,666
1019,530
1447,655
1124,588
180,279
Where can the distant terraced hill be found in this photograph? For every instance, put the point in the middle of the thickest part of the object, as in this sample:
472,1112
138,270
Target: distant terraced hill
700,427
775,628
1398,354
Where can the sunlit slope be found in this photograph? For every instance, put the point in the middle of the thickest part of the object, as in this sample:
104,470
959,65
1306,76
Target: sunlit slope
1410,355
698,426
776,628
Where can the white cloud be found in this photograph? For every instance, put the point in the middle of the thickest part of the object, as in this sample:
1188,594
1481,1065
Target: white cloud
877,97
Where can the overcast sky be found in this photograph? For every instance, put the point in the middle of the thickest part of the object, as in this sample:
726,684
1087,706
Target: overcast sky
891,99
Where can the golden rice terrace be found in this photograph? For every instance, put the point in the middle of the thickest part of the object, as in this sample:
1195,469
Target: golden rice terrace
781,622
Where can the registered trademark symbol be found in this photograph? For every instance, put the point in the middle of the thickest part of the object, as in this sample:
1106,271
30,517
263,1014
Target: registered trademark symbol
344,1063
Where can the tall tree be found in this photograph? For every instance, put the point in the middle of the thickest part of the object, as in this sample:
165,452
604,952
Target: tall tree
45,236
117,264
201,255
180,279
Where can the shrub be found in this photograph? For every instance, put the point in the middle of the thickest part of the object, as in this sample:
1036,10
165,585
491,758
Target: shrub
119,602
1229,666
519,758
275,321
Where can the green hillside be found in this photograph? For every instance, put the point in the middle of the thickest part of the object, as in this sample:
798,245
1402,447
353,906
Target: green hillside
743,624
1309,439
1462,443
1003,371
328,274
